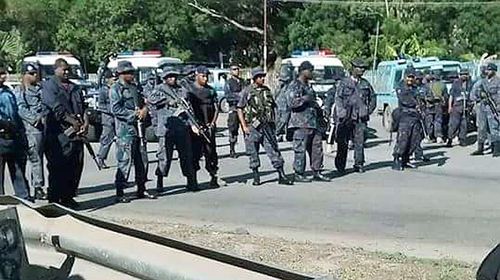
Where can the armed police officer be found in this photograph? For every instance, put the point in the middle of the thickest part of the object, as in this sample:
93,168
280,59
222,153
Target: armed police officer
33,113
66,124
422,90
491,95
457,109
203,100
232,92
107,119
435,101
129,110
256,114
12,141
305,122
406,122
354,102
480,109
172,129
282,109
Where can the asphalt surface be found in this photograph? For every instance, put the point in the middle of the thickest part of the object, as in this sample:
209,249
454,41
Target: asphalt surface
448,207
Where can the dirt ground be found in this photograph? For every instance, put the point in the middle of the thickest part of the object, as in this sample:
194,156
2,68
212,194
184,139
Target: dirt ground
313,259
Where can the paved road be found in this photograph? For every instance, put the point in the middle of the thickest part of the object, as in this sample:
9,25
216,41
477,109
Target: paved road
448,207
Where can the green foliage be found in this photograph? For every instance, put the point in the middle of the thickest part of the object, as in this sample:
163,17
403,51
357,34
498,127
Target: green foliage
12,48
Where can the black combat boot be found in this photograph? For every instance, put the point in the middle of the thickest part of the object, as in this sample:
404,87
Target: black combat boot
480,150
318,177
397,165
282,178
301,178
159,184
142,193
449,143
359,168
496,149
192,183
256,177
214,182
232,152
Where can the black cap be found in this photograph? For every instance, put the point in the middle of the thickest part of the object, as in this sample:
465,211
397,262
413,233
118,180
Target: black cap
188,70
359,63
306,65
30,67
202,70
492,67
409,72
258,71
125,66
108,74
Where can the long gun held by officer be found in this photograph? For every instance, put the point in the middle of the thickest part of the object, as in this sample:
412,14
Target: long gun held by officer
73,134
491,103
139,105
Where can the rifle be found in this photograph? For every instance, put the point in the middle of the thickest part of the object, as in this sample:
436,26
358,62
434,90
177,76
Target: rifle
333,126
185,107
491,103
139,104
71,133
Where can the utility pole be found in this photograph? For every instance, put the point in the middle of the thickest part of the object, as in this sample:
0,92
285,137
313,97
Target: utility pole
265,36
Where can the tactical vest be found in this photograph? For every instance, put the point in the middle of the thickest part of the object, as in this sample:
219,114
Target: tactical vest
260,105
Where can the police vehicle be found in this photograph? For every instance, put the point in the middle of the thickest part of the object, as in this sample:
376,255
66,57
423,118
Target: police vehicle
327,68
389,75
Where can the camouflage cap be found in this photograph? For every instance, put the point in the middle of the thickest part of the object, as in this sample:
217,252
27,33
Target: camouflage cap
168,71
492,67
359,63
30,67
125,66
306,65
258,71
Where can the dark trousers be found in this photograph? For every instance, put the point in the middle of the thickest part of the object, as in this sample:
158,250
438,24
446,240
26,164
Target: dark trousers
129,153
345,132
310,141
434,121
255,139
107,136
208,150
233,125
16,163
458,125
408,138
65,166
180,139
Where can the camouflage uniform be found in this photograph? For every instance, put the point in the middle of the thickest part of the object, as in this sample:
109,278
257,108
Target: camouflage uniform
108,124
304,121
33,112
481,116
435,100
282,109
123,105
492,87
355,100
258,106
459,95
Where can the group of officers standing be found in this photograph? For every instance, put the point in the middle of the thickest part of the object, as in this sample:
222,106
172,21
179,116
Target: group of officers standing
49,118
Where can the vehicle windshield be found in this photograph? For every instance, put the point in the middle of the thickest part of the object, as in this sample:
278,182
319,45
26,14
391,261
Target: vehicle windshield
446,73
76,71
328,73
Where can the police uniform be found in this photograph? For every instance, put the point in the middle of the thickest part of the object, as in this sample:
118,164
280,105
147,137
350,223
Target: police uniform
33,112
172,131
108,124
354,102
459,96
232,92
421,93
282,109
203,100
406,122
257,107
480,110
124,100
12,143
305,124
435,101
491,90
63,151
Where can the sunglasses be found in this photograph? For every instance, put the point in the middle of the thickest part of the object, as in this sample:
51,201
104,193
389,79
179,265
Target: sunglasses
32,73
235,68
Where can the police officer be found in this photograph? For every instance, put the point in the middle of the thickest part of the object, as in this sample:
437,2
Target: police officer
421,92
457,109
305,124
232,92
65,123
282,109
406,122
256,114
354,102
188,76
491,92
435,100
127,105
480,110
12,141
172,130
107,119
203,100
33,113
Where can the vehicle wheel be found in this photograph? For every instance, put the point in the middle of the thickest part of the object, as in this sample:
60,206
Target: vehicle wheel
224,105
387,118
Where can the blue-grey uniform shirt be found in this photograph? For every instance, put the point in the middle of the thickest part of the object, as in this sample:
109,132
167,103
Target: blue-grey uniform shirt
302,101
354,99
31,108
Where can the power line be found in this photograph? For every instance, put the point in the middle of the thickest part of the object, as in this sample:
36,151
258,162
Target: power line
409,3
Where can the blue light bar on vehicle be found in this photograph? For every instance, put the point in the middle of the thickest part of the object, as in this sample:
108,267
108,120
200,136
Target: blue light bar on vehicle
151,53
321,52
46,53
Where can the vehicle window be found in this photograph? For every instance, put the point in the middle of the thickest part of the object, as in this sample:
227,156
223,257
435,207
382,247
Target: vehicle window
328,73
382,75
398,77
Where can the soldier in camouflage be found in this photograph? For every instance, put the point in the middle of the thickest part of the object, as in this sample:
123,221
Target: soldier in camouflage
256,114
128,108
282,110
306,125
480,110
107,119
355,100
232,92
457,109
491,93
